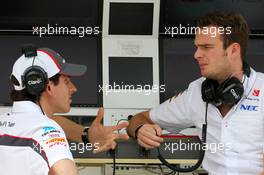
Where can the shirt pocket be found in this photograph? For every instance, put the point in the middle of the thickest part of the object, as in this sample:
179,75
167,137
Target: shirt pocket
247,131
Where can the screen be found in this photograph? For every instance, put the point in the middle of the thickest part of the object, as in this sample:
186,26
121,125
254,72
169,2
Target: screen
73,49
180,67
30,13
136,71
131,18
176,12
255,54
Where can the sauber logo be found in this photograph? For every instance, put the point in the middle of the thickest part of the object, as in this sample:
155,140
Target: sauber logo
256,92
248,107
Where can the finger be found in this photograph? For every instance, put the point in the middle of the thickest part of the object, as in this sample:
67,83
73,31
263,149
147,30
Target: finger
113,145
121,136
150,135
149,141
120,126
143,144
100,115
103,147
158,130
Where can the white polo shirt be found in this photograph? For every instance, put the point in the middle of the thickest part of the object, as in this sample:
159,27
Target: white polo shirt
30,142
241,131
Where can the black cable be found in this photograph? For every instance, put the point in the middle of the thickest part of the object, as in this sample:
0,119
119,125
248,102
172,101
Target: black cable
38,95
161,170
113,151
41,109
202,141
206,109
113,154
114,165
170,173
163,173
119,122
38,101
33,61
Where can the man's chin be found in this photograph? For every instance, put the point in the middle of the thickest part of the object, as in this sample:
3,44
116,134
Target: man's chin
66,110
205,74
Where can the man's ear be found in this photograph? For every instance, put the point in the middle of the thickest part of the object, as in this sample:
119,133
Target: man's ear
235,49
49,87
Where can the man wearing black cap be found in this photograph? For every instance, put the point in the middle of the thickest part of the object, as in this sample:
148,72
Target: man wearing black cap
29,139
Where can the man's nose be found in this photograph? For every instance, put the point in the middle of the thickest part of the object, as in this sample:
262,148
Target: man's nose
73,88
198,54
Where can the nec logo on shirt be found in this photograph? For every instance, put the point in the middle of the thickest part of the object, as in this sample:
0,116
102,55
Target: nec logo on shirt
248,107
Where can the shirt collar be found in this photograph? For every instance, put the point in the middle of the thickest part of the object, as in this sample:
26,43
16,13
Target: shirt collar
249,82
26,106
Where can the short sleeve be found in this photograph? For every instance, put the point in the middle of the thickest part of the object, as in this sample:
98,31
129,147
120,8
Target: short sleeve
53,145
175,112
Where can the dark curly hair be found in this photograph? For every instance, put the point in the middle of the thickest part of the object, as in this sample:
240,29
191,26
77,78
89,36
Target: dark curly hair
239,28
23,95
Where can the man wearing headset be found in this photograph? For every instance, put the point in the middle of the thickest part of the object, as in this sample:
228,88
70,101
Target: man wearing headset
233,91
30,142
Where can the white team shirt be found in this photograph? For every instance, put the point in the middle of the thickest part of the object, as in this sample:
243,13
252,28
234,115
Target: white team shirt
30,142
241,131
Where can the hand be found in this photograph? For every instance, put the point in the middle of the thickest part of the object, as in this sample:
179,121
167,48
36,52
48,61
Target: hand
105,135
148,136
262,173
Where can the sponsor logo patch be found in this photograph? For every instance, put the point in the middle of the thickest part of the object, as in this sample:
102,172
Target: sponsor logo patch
248,107
256,92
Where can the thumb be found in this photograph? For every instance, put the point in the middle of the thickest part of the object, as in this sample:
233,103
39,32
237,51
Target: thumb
100,115
120,126
158,130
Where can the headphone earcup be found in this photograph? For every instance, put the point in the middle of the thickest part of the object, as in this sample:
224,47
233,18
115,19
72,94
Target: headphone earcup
209,91
35,80
230,91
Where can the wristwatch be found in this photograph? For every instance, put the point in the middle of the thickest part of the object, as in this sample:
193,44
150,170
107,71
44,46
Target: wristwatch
85,138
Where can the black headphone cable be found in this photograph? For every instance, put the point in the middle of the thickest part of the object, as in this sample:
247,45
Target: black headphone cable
201,152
